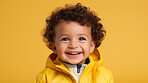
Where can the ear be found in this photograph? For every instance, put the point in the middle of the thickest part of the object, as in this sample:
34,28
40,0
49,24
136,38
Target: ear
92,46
54,48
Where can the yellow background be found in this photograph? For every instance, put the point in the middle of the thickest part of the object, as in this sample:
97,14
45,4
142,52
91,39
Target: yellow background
23,53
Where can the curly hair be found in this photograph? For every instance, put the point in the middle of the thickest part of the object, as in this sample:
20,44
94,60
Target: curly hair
77,13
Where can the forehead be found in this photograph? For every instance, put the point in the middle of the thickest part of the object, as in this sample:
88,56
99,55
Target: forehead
71,27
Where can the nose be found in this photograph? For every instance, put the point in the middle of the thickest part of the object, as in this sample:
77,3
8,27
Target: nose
73,45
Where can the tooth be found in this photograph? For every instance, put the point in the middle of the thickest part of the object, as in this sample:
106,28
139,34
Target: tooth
75,53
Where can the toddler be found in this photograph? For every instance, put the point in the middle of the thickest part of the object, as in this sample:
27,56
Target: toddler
73,33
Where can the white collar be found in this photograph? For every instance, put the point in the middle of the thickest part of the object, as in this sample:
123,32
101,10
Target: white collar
76,70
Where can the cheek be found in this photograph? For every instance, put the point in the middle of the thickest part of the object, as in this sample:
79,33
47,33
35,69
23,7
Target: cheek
61,47
86,46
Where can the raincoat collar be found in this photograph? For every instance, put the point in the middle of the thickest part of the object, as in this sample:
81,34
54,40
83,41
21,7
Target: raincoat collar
55,63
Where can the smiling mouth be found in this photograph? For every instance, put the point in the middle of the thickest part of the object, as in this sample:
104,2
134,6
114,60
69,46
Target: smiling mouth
73,53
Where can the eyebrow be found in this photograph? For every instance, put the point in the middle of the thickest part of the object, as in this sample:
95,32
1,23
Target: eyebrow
63,35
68,35
83,34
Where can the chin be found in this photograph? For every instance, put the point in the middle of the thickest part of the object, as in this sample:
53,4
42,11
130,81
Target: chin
76,62
73,62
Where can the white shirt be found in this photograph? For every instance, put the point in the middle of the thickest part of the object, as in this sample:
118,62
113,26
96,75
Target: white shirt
74,70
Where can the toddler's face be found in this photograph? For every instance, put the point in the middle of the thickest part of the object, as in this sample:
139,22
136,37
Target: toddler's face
73,42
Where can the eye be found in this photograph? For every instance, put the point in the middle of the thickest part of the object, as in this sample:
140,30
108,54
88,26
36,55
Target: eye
64,39
82,38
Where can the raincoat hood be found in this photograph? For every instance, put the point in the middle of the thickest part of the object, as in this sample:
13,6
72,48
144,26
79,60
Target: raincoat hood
53,61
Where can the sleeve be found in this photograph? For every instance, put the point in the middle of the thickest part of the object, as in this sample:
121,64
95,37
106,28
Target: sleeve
41,78
111,78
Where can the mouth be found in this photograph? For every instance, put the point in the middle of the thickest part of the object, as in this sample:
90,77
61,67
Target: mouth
73,53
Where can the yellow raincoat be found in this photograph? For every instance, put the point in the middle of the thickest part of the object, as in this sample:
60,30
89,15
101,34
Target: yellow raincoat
56,72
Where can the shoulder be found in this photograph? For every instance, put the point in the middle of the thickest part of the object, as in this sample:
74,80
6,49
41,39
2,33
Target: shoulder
42,76
106,74
105,71
48,71
49,75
